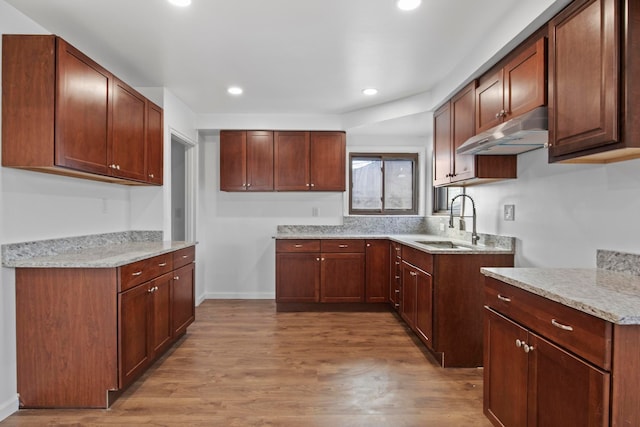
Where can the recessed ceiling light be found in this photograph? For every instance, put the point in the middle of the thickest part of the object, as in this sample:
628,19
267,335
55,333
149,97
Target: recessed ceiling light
181,3
408,4
235,90
370,91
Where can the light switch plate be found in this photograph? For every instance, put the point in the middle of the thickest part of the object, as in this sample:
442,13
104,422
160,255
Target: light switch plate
509,212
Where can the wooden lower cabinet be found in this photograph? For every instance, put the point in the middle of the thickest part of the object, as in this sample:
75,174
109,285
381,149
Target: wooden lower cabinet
85,334
395,275
298,277
529,381
342,277
376,271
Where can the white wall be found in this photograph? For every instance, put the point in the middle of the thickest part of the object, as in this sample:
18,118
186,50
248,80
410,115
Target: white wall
564,212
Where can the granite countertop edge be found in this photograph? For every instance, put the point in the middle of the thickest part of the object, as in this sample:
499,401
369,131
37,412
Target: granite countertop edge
608,295
107,256
408,240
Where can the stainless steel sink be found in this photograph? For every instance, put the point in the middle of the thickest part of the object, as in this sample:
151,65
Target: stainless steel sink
444,244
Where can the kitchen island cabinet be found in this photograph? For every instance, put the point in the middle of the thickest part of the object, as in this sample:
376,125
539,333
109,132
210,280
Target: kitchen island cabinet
593,61
561,347
83,334
65,114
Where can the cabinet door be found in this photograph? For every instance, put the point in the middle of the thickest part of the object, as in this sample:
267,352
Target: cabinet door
160,333
135,350
505,371
291,161
327,161
442,137
463,126
490,102
233,160
377,271
259,161
82,111
525,80
424,307
155,144
297,277
342,277
564,390
409,286
584,97
183,299
127,153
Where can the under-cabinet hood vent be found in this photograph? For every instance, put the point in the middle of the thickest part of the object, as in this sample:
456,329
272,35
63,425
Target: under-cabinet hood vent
519,135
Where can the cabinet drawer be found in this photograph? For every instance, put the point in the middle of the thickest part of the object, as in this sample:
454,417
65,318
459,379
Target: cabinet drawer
184,256
583,334
342,245
422,260
141,271
286,245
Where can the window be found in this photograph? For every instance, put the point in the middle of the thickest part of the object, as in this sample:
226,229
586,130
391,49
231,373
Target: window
383,184
442,199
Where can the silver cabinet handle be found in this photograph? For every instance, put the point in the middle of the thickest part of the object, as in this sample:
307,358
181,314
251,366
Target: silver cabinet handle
397,305
323,259
185,256
503,298
317,259
368,245
152,289
151,175
176,278
519,343
313,185
527,348
162,264
297,246
397,263
413,273
397,277
137,273
559,325
343,246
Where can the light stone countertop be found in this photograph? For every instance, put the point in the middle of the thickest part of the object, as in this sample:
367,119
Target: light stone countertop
107,256
411,240
609,295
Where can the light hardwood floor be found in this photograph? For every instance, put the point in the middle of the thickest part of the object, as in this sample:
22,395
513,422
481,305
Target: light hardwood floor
243,364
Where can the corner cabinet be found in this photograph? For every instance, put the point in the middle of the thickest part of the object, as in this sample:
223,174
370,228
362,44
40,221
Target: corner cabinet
593,92
84,334
63,113
454,123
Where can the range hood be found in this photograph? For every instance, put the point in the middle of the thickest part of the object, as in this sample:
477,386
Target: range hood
518,135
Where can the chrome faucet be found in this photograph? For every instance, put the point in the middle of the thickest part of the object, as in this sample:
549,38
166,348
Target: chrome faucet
474,234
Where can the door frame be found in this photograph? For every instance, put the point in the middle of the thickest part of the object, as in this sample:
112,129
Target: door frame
191,171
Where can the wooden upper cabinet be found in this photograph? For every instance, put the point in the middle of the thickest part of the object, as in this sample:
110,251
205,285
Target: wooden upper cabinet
593,58
246,160
82,111
516,88
259,161
233,160
291,161
63,113
327,161
442,145
127,157
463,107
453,125
155,144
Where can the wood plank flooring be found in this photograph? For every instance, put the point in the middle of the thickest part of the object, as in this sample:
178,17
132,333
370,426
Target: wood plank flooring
243,364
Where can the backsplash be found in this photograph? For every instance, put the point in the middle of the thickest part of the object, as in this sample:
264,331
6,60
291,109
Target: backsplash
362,225
618,261
38,248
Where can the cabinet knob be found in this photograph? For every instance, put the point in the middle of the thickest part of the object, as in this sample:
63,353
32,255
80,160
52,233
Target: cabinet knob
397,305
413,273
368,245
176,277
307,184
317,259
519,343
527,348
151,175
313,185
248,185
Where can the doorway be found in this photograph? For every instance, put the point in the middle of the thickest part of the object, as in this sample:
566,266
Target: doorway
182,221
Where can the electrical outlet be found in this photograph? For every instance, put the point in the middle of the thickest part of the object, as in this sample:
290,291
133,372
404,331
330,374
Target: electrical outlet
314,211
509,212
442,226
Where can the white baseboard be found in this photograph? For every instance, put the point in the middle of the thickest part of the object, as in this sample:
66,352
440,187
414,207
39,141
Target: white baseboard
8,407
239,295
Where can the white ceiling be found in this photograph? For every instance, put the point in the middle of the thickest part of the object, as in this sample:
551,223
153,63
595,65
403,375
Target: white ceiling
290,56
